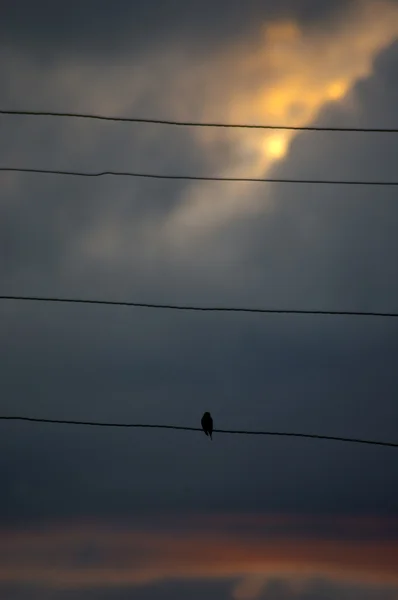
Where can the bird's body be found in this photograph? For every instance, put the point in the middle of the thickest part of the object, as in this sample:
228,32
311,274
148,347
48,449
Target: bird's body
207,424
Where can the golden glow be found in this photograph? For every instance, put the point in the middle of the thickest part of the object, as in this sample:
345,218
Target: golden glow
282,32
285,79
276,147
337,90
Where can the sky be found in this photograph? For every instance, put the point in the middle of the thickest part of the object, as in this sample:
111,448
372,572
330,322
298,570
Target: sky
155,514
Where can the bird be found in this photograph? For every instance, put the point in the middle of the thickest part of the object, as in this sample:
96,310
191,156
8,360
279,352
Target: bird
207,424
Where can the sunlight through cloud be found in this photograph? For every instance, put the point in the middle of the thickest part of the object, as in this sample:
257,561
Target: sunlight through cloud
297,73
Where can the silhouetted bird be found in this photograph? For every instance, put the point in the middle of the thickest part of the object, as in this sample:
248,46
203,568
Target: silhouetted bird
207,424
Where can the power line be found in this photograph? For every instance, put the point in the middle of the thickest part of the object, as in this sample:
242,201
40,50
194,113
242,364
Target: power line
32,113
203,308
182,428
197,177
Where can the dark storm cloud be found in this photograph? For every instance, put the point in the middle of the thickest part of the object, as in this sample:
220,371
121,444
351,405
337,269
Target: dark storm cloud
313,247
106,472
96,27
332,376
162,367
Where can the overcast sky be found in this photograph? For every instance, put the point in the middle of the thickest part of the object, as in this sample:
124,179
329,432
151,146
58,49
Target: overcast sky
156,514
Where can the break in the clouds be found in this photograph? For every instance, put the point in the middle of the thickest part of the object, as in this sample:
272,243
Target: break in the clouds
298,63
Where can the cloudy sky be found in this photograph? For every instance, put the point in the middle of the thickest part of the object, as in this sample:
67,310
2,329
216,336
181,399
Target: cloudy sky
109,514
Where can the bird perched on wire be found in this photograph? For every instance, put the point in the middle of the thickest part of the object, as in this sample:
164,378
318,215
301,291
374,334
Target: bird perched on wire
207,424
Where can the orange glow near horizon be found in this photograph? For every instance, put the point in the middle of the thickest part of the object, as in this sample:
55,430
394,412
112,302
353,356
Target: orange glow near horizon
129,557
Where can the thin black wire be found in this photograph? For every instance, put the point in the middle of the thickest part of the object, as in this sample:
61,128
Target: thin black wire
197,177
182,428
203,308
32,113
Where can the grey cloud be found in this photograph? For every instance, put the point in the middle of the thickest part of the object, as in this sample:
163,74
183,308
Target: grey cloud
323,589
275,589
164,591
93,28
